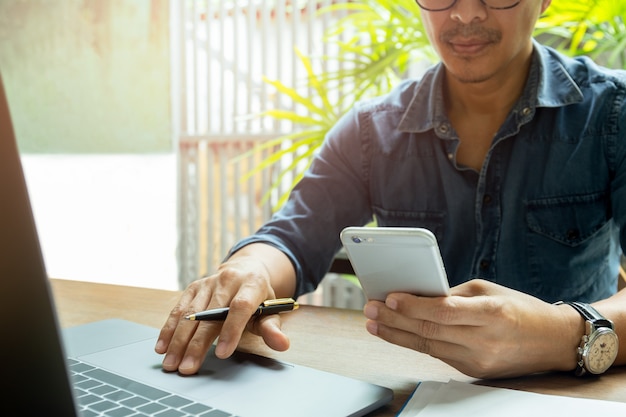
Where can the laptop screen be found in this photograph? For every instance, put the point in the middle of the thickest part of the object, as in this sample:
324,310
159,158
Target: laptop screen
31,349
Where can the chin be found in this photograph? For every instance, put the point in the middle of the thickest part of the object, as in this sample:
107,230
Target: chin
467,76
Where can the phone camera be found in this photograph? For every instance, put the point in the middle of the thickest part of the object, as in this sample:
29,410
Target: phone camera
356,239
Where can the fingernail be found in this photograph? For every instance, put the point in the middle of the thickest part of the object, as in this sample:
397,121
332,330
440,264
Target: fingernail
371,311
220,349
187,363
160,346
392,303
169,361
372,327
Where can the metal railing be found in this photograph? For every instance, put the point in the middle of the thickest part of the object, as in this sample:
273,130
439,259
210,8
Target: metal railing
221,51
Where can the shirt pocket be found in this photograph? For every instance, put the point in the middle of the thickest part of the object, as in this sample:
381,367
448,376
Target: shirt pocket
568,220
567,243
431,220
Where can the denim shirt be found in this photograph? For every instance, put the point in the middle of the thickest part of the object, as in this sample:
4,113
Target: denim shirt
545,215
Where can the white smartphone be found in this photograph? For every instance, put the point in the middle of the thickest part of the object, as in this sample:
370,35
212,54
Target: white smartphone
395,259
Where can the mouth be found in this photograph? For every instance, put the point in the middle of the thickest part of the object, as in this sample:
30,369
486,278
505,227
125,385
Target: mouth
469,46
470,40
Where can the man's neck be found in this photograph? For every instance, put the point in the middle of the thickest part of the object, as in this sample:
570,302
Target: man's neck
478,110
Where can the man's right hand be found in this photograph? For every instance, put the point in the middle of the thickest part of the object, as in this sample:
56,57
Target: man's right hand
242,283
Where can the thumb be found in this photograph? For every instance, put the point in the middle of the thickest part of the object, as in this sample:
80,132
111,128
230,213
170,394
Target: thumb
270,329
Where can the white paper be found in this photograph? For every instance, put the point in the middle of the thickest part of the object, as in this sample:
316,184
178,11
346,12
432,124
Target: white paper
420,398
455,398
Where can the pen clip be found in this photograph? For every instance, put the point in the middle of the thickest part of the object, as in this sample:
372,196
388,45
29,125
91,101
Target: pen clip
278,302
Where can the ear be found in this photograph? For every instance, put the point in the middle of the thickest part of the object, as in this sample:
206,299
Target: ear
545,4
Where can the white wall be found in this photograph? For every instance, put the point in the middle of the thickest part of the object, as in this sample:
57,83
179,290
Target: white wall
106,218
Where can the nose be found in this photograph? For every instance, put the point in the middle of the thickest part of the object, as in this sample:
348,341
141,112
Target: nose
468,11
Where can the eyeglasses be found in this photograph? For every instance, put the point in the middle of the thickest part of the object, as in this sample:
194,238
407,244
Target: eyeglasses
441,5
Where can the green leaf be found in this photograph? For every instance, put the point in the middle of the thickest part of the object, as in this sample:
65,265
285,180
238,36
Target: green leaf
294,95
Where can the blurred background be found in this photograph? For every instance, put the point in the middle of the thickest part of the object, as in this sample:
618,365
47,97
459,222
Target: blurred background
156,133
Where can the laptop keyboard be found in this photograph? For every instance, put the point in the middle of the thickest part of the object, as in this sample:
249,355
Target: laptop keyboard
102,393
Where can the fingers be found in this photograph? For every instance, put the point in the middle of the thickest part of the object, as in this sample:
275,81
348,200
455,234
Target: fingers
444,350
241,310
242,307
237,285
187,358
474,303
452,310
439,326
473,350
183,307
184,342
482,329
424,335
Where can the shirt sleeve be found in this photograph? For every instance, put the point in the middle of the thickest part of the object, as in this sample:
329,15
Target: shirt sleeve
617,153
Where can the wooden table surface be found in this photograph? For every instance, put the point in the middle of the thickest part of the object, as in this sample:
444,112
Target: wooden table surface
329,339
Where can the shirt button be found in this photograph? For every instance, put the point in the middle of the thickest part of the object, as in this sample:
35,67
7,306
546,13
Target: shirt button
487,199
451,156
526,111
443,128
484,264
572,234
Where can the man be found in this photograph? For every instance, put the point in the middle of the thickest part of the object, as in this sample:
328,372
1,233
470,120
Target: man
513,155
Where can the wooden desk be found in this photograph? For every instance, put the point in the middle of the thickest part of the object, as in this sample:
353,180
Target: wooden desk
333,340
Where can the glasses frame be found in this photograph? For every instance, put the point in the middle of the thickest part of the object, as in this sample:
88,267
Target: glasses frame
456,1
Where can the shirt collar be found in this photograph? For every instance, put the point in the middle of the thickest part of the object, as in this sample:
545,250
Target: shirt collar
548,82
556,87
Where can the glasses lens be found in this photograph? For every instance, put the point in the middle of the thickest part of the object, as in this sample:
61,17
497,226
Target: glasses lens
438,5
501,4
435,5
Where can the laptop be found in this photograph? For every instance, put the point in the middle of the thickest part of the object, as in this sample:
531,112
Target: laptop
109,368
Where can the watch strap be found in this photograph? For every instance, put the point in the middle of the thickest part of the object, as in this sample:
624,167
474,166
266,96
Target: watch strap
590,314
595,320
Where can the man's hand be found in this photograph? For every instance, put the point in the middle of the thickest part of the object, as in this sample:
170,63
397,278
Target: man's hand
482,329
241,283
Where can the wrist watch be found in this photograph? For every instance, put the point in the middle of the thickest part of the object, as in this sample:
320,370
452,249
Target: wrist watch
599,344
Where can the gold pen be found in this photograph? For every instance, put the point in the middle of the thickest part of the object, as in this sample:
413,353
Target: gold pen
267,307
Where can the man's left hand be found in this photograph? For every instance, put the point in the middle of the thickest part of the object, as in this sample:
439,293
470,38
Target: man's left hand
482,329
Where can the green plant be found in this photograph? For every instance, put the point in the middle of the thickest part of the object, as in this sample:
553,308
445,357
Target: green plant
378,41
321,112
375,44
596,28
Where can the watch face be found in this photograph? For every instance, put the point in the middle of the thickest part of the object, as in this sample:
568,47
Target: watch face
601,350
